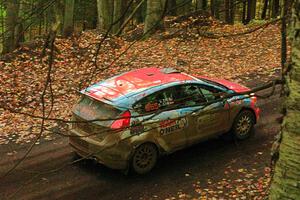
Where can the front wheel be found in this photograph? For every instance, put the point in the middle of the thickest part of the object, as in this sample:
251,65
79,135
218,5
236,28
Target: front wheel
243,125
144,158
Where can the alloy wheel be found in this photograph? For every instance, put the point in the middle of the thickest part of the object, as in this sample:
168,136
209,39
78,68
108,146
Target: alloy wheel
144,158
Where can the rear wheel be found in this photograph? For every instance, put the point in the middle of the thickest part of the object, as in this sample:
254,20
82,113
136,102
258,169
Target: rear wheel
76,156
243,125
144,158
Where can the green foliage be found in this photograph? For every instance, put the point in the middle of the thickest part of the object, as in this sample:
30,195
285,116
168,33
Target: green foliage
258,22
2,12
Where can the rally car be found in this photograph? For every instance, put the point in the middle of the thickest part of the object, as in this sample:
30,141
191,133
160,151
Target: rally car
129,120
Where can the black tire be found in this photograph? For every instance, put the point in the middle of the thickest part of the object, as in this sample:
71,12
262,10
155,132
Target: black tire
243,125
144,158
75,156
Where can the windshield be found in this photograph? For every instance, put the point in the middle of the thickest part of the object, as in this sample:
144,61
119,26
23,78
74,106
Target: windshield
214,83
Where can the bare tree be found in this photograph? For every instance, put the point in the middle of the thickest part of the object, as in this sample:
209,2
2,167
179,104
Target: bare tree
153,20
68,27
105,13
183,6
118,17
251,11
264,10
229,11
201,4
275,8
12,10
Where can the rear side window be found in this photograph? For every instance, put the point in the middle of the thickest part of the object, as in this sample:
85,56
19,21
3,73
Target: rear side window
153,102
181,95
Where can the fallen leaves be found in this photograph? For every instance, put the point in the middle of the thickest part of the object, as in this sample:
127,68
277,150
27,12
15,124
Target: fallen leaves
243,184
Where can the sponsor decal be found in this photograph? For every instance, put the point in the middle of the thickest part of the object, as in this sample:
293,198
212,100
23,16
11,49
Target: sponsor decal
170,126
236,102
166,102
151,106
137,128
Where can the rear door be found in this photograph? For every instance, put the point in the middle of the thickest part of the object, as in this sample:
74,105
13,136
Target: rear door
163,120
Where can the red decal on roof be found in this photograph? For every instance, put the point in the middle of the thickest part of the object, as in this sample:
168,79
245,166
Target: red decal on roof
134,81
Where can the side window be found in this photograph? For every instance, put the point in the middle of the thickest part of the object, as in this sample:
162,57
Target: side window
188,95
210,93
153,102
182,95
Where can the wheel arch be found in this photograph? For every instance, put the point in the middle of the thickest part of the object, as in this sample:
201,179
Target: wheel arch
157,146
249,109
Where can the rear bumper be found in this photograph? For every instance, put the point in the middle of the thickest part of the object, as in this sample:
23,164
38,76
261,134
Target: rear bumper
112,156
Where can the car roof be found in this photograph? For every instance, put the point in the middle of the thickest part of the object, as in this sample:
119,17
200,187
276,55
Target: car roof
134,82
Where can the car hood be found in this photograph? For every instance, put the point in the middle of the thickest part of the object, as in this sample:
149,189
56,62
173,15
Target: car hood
228,84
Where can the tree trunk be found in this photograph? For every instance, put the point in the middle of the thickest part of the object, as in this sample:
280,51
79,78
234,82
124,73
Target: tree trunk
215,8
251,10
269,9
95,19
212,7
183,6
284,36
141,12
68,18
41,17
232,11
57,17
154,16
19,31
135,10
265,8
227,11
201,5
275,8
172,8
31,8
118,18
244,14
2,25
105,14
286,179
12,10
46,21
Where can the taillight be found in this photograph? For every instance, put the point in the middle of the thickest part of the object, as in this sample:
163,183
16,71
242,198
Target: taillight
124,122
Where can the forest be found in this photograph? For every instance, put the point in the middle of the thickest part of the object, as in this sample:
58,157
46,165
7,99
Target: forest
51,50
22,21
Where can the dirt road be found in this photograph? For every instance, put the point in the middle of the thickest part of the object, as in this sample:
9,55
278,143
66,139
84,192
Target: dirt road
211,169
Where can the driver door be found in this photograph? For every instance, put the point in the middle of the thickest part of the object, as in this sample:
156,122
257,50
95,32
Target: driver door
208,120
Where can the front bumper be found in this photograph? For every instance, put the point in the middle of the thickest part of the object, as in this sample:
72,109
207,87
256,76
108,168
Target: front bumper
107,152
257,113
